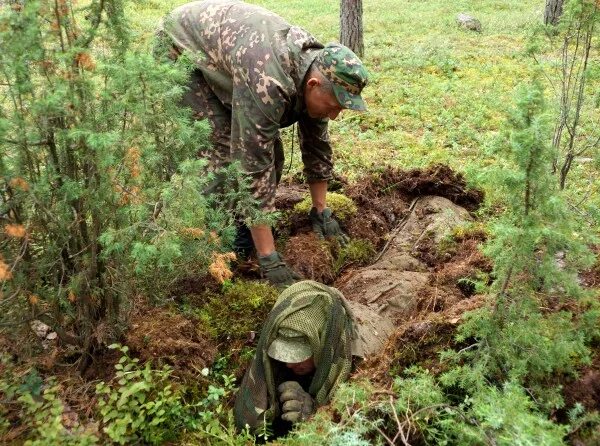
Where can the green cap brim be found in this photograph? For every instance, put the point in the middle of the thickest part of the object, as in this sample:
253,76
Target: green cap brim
349,100
289,350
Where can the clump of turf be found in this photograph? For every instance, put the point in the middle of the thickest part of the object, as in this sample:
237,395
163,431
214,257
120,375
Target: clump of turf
311,257
342,206
241,308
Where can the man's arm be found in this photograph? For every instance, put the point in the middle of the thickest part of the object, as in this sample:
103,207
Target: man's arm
254,127
316,156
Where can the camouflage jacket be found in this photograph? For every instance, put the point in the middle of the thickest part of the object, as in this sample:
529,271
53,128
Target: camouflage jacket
255,63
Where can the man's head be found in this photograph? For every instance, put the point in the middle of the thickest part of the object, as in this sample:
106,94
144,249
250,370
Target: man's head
292,348
334,82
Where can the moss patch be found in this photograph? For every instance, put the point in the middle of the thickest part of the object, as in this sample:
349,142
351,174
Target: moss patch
238,310
342,206
356,253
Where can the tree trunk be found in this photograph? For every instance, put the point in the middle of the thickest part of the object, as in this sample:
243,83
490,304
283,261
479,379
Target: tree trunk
554,9
351,25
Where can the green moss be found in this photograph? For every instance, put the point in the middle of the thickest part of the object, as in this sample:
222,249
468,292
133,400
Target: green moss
342,206
357,252
242,307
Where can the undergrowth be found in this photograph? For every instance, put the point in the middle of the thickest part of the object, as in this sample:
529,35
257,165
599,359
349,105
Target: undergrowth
237,310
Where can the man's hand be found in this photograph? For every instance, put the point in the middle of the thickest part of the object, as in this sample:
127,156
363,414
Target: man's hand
296,404
276,271
325,225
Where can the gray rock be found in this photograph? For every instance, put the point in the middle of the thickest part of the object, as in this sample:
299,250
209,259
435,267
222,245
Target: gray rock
468,22
387,291
39,328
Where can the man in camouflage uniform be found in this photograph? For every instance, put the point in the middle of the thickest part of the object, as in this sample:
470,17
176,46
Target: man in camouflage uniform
256,74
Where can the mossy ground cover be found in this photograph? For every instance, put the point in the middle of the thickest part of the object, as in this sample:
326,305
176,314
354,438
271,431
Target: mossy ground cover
437,94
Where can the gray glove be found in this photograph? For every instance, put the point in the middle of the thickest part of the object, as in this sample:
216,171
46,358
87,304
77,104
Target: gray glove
275,270
296,404
325,225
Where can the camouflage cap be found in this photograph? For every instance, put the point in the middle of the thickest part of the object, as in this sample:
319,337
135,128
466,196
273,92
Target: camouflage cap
290,346
346,72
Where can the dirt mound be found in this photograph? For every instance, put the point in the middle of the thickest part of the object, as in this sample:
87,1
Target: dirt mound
383,199
158,335
438,180
419,341
456,270
310,257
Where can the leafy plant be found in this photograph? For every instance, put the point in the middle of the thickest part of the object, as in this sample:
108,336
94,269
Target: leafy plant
141,404
41,410
99,193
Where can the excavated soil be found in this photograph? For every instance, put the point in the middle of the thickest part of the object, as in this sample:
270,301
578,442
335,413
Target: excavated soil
310,257
158,335
383,200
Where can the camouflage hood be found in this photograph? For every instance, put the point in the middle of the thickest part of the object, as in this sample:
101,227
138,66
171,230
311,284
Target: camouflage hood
321,314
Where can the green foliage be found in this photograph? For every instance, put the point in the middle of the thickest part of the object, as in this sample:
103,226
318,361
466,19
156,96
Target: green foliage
503,417
240,308
515,340
537,224
141,405
356,252
98,187
342,206
528,347
584,425
41,410
355,426
421,409
565,53
45,416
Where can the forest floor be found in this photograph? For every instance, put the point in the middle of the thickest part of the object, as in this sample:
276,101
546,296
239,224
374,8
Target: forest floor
437,94
186,333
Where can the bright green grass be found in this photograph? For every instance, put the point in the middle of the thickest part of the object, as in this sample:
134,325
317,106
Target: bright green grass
437,93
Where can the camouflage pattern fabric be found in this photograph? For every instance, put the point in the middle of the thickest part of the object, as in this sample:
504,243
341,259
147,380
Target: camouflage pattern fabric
322,315
249,84
347,73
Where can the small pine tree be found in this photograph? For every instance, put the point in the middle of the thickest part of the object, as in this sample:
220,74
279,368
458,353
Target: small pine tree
98,181
537,252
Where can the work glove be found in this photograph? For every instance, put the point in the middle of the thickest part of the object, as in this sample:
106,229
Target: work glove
296,404
325,225
275,270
